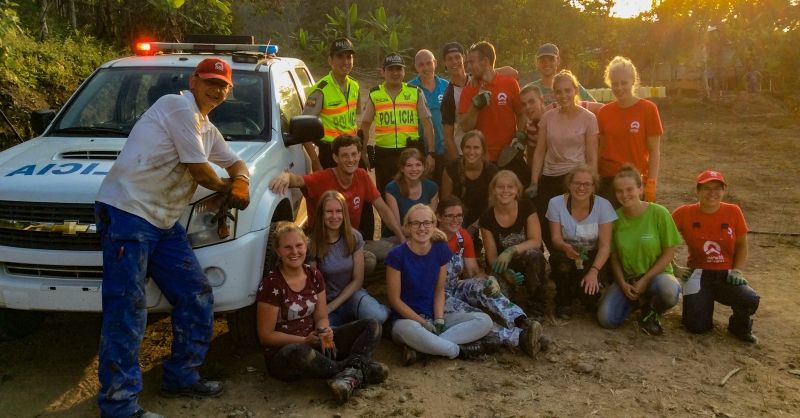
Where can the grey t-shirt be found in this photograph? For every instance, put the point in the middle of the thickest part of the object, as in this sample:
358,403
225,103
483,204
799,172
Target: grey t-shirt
337,266
586,232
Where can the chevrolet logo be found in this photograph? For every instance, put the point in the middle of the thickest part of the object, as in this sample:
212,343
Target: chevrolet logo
65,228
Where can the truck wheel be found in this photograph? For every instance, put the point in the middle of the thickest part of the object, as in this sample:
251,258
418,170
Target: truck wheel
242,327
16,324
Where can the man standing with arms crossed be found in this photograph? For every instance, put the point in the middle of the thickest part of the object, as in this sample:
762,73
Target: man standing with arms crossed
398,109
148,188
433,88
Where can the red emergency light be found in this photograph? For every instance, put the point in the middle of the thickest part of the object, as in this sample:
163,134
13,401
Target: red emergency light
143,48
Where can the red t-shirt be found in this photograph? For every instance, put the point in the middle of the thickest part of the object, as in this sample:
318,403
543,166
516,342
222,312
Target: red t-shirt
711,238
295,309
498,120
469,247
624,132
360,190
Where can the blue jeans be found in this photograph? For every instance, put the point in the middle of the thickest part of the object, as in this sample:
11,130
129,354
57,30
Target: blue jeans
361,305
662,293
698,307
132,250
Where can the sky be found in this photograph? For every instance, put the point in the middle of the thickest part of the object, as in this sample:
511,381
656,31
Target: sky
630,8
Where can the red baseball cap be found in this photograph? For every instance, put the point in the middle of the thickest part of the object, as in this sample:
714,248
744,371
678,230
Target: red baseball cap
710,175
214,68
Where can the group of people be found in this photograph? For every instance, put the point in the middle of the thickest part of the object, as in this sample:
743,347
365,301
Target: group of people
479,185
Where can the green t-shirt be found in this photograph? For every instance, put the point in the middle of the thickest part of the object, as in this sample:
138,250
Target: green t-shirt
638,241
549,98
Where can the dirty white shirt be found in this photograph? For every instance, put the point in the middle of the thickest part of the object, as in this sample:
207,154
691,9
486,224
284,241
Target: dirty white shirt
150,177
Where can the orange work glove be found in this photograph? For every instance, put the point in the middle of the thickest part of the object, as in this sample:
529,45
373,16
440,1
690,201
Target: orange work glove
239,196
650,190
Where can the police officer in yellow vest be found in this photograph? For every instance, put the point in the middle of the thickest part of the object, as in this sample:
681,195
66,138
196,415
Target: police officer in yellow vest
396,107
334,98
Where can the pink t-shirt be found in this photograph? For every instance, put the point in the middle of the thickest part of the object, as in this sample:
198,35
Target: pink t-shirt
566,139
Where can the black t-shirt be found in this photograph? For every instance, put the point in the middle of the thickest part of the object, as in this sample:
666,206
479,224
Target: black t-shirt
449,106
474,193
514,234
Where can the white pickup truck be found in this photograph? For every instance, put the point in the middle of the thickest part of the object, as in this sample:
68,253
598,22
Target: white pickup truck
50,257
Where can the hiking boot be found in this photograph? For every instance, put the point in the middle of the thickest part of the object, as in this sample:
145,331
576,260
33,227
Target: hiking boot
375,372
490,344
529,339
470,350
747,336
141,413
202,389
409,356
345,383
651,324
564,312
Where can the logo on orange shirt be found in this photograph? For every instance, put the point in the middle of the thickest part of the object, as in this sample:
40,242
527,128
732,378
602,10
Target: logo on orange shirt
357,202
635,125
502,98
713,252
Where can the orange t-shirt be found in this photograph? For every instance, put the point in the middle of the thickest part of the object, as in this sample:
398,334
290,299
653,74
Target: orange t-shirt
711,237
624,133
498,120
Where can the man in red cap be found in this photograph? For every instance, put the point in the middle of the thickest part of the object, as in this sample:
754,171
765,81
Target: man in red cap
137,209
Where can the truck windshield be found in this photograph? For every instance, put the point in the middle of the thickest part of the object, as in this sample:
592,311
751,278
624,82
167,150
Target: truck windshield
115,98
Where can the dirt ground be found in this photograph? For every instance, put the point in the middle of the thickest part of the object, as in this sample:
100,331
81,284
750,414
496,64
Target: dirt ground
588,371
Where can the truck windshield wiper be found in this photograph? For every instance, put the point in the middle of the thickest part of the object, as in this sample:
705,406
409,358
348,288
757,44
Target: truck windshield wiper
91,130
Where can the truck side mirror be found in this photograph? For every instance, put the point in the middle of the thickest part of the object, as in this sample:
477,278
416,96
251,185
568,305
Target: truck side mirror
40,119
303,128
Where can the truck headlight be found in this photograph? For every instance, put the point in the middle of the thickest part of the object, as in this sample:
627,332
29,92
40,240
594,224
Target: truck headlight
202,227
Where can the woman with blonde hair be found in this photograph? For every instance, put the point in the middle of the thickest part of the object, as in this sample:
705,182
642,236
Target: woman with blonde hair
409,186
337,250
630,131
415,280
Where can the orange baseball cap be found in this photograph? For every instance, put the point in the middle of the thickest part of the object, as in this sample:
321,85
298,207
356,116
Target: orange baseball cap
710,175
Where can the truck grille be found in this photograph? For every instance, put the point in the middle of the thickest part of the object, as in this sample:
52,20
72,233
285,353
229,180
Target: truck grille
53,213
58,272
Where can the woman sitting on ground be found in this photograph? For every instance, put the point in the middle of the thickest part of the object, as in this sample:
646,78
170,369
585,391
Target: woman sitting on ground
337,250
293,328
469,290
580,227
409,187
512,238
643,244
415,277
716,234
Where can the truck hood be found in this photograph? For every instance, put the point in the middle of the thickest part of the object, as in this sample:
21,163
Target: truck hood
70,170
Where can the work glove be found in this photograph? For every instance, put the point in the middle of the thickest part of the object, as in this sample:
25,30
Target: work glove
438,326
482,99
501,263
371,156
428,325
239,196
532,190
736,278
519,278
221,218
650,190
521,137
491,287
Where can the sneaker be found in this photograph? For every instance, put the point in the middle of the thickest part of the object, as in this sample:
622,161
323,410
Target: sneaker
409,356
141,413
345,383
202,389
375,372
651,324
470,350
747,337
564,312
529,339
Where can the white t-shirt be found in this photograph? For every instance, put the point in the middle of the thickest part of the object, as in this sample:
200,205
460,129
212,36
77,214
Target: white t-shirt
150,178
566,140
586,232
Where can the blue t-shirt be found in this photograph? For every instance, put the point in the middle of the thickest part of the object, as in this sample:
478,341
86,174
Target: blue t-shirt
586,232
429,190
434,100
418,275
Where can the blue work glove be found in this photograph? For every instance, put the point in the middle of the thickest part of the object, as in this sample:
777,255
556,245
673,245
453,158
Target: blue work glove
736,278
501,263
482,99
439,327
519,278
491,287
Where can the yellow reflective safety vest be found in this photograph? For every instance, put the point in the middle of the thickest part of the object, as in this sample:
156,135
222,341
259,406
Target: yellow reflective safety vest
395,120
338,114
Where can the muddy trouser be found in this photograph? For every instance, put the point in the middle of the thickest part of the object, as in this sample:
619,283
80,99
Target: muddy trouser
532,265
606,190
568,279
663,292
698,308
132,250
354,342
361,305
548,188
462,328
469,296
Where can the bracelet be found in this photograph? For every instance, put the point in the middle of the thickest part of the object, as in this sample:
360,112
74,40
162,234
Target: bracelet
593,267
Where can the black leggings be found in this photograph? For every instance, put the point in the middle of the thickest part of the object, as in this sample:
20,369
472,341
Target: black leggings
298,360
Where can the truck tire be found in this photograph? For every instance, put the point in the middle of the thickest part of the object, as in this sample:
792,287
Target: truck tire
17,324
242,327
